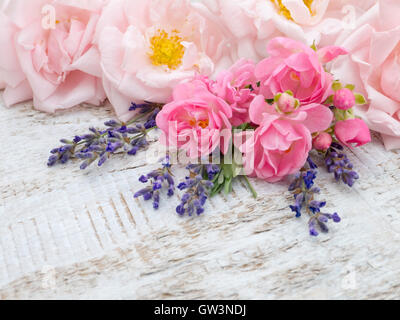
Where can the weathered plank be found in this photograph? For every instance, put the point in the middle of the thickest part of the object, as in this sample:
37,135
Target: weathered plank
68,234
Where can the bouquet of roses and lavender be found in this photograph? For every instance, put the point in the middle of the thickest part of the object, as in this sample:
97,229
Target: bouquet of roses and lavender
159,62
259,120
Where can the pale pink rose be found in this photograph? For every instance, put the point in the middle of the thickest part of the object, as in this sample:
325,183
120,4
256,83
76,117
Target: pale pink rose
238,87
196,120
374,67
12,79
277,148
352,132
149,47
322,141
294,66
252,23
58,67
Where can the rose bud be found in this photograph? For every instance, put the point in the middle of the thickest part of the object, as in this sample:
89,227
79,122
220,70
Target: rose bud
286,103
353,131
344,99
323,141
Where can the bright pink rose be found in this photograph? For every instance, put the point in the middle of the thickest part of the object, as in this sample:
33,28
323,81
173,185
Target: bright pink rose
281,143
296,67
316,117
374,68
352,131
196,120
344,99
322,141
149,47
277,148
238,87
51,58
287,103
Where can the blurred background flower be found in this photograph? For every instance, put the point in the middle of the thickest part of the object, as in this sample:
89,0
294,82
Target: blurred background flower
374,68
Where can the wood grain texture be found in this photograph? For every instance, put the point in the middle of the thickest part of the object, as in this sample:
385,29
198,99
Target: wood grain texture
70,234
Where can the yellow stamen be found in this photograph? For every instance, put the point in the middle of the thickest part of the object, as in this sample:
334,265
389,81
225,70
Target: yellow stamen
166,50
285,11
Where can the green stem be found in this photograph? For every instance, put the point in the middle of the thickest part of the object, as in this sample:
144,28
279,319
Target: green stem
252,190
137,119
150,129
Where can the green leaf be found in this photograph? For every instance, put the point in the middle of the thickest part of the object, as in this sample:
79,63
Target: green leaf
350,87
228,172
269,101
277,97
313,46
329,101
336,86
228,186
341,115
242,127
360,100
216,190
221,178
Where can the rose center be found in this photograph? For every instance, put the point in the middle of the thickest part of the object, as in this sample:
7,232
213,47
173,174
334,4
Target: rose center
201,123
285,11
166,50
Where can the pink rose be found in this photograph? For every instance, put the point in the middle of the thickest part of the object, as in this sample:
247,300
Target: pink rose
316,117
281,143
296,67
352,131
344,99
374,67
57,67
277,148
12,79
237,86
149,47
286,103
196,120
322,141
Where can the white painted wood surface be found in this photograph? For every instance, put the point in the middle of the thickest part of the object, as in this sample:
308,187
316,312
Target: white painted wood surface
70,234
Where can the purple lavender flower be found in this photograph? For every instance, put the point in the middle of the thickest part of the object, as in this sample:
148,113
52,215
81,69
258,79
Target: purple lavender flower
339,164
304,194
319,221
117,137
158,180
143,107
197,185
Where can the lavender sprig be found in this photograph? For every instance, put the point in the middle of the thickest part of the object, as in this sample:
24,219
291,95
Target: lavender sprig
197,186
339,164
100,145
157,180
304,195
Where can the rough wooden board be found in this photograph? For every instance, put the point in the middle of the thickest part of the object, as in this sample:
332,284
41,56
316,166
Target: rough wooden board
71,234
